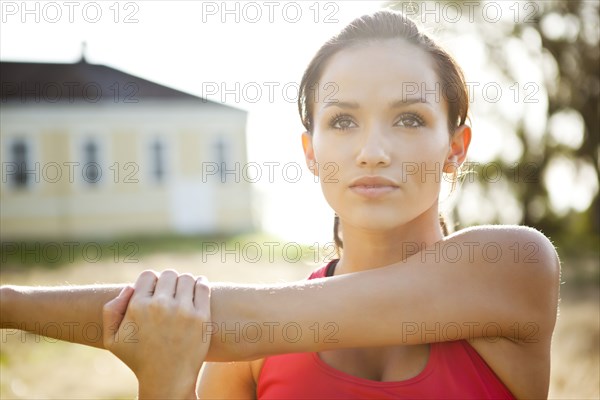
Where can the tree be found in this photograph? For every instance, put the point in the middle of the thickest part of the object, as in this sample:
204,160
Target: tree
560,38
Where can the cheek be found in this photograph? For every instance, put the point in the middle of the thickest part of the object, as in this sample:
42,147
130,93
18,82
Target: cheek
423,163
329,160
330,154
331,188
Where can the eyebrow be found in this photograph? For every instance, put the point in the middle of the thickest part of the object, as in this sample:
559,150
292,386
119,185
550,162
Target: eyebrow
406,102
392,104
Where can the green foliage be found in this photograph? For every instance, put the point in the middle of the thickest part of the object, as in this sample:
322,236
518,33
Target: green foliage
561,39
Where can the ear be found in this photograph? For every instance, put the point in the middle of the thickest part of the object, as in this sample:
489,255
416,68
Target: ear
459,145
309,153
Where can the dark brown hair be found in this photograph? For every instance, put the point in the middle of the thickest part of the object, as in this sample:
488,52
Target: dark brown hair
379,26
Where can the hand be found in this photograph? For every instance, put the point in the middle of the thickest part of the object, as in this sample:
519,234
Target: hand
156,328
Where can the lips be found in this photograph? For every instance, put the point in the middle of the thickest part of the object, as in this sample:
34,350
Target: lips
373,186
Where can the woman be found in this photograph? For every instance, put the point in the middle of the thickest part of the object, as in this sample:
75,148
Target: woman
392,143
404,312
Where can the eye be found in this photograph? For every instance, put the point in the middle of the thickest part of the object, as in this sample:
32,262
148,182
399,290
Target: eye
410,120
342,122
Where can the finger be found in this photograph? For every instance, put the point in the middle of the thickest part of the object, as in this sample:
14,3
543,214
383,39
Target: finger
167,281
113,313
202,295
144,285
184,292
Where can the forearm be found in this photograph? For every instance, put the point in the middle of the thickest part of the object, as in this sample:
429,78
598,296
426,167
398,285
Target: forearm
72,314
308,316
253,322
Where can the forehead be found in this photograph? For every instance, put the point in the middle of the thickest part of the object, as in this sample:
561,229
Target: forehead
387,70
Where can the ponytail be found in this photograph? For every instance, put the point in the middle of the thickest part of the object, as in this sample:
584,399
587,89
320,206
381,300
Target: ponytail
443,225
336,237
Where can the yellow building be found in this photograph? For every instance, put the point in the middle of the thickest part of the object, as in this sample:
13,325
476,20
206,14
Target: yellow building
91,151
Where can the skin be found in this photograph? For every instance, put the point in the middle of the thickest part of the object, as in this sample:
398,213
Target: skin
511,291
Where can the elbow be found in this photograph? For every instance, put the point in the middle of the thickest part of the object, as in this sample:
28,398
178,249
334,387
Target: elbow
524,247
543,254
545,275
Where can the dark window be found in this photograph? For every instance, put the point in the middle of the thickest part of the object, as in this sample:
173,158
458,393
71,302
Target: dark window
19,156
158,161
91,168
221,151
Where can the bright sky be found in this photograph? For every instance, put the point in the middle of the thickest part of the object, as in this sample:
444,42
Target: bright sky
252,49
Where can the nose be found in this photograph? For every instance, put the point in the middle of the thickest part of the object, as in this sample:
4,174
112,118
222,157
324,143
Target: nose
374,151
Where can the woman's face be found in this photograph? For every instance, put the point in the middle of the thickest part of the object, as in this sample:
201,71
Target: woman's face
380,138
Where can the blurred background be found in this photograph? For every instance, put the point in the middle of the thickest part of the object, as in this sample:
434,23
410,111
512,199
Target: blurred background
140,135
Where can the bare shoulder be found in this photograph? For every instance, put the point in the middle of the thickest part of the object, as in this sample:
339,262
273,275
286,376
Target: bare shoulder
526,245
527,261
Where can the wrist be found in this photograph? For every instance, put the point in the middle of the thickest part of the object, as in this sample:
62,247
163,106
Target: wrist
169,389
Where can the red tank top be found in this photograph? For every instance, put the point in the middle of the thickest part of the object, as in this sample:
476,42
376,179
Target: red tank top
454,370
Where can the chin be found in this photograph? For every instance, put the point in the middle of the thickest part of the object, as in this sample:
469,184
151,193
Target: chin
378,221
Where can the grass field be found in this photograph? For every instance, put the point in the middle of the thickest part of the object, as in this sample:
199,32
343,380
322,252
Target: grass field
34,367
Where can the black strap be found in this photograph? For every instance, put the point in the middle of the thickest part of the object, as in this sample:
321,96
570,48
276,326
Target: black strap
331,267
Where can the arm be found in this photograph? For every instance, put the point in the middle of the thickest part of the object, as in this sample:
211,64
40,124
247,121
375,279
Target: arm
509,293
36,309
498,281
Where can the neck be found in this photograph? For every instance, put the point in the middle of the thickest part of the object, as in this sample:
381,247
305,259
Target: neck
368,249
